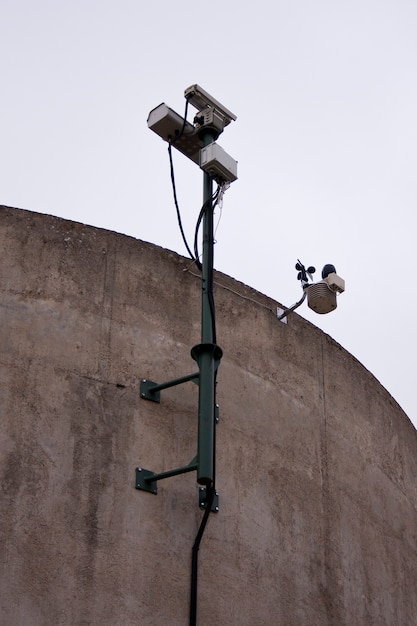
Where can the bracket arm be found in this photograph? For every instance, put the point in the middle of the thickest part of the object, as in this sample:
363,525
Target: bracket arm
146,480
149,390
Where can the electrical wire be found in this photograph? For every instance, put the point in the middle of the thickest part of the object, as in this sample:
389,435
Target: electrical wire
210,490
174,191
215,199
194,557
171,142
209,204
220,205
210,493
210,295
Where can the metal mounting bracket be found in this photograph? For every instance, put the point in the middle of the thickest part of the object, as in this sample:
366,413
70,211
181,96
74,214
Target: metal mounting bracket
202,500
146,480
281,315
149,390
216,413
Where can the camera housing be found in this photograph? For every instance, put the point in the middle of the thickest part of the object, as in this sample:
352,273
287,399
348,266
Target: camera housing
216,162
170,126
201,100
189,138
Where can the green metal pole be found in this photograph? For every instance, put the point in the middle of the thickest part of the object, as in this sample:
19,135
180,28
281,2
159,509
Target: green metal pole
207,262
207,354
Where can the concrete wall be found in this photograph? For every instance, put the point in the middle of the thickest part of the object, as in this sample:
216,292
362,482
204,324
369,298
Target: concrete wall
316,463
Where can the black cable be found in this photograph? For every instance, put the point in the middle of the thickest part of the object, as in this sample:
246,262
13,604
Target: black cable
194,556
171,142
213,201
197,229
184,121
174,190
210,492
210,286
212,307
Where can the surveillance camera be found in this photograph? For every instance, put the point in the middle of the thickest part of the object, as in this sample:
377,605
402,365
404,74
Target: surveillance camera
171,127
190,139
201,100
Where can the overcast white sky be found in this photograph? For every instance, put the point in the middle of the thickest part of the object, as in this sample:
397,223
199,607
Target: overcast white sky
326,139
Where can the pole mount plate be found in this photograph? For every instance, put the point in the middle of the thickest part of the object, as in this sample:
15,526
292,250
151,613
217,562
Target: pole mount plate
144,480
202,500
146,392
280,315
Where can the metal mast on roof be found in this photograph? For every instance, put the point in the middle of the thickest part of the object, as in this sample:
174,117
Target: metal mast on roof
197,141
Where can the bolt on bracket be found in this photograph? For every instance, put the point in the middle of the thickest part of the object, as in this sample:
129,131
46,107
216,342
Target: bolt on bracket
146,480
282,315
149,390
202,500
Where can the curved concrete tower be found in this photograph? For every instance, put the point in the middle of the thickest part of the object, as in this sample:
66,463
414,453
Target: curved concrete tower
316,463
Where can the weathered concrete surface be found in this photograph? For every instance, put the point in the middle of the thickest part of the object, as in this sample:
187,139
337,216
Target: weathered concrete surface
316,464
